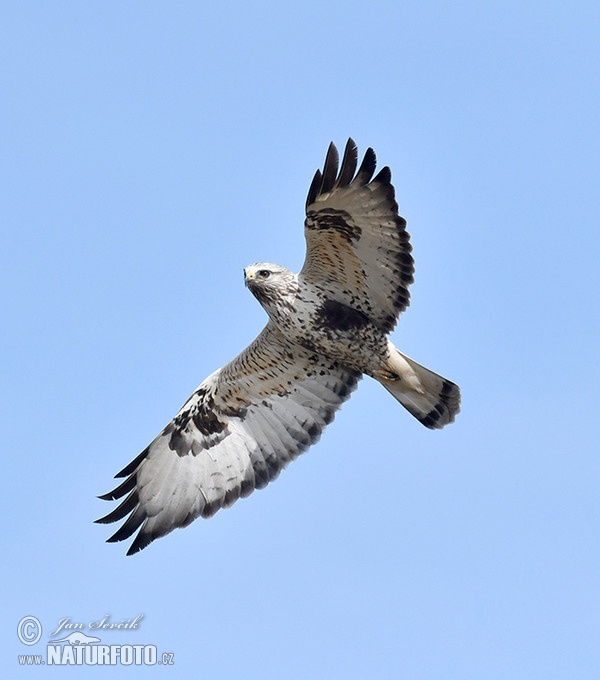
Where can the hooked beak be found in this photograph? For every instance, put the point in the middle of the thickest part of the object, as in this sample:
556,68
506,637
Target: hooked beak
248,277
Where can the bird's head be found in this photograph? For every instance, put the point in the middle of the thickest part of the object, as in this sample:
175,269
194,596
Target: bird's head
271,284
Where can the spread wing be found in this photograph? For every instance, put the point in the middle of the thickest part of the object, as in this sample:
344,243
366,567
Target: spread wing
358,249
236,432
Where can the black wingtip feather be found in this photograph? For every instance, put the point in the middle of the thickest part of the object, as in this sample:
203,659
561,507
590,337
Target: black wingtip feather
315,185
133,523
384,176
330,169
120,511
349,163
367,167
141,541
132,467
120,491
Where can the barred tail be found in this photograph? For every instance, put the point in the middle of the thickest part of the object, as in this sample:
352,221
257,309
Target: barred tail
431,399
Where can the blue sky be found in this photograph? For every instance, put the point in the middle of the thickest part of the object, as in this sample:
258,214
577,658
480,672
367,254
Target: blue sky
149,152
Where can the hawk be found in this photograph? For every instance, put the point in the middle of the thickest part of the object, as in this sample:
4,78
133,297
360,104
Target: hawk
328,326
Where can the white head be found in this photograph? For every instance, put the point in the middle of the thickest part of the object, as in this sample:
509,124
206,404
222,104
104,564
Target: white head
272,285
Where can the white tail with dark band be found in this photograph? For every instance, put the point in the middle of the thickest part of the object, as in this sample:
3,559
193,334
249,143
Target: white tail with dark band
431,399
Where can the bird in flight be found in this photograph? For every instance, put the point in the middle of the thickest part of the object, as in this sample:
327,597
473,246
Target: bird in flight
328,326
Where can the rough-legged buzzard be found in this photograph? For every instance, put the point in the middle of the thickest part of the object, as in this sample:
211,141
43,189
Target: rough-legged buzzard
328,325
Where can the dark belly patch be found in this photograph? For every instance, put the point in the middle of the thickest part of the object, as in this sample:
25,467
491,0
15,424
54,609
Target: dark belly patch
337,316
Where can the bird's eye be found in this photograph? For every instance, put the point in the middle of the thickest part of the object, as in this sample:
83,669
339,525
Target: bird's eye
264,273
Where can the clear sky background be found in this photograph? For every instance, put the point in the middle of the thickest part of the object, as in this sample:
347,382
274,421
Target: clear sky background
149,151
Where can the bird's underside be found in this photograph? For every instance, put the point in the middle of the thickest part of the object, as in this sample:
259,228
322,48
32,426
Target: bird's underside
328,325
